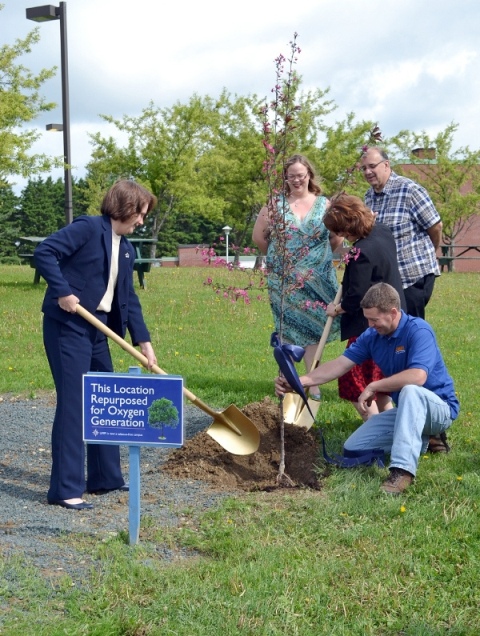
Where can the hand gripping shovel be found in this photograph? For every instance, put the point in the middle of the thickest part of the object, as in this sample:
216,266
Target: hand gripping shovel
294,411
230,428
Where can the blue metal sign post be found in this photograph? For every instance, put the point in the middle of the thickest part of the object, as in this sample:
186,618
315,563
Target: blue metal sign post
134,409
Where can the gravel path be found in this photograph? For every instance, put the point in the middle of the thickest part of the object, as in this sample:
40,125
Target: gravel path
29,527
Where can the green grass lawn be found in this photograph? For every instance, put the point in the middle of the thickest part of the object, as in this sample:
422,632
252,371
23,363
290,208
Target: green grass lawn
344,561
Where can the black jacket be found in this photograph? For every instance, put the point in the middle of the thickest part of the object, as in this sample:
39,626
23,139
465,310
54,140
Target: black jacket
376,262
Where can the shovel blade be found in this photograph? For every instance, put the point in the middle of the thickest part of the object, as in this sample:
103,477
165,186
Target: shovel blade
223,430
304,419
292,405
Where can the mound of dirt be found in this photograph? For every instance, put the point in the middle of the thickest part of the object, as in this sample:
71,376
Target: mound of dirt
203,459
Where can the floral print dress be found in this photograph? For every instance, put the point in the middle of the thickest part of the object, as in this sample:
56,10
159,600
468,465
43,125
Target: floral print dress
301,278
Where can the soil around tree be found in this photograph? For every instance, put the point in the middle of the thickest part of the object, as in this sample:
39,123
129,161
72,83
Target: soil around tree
204,459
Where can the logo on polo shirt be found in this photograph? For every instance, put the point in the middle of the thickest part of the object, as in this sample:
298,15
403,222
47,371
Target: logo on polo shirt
400,349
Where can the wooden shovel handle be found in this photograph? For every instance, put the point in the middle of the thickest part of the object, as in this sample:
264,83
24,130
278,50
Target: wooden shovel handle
325,334
81,311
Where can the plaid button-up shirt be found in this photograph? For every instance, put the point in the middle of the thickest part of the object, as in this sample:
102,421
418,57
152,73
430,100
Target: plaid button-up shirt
407,209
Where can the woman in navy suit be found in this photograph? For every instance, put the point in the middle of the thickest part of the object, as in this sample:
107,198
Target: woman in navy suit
89,262
371,259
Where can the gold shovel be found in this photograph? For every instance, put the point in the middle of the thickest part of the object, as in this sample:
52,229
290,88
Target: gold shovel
231,428
294,409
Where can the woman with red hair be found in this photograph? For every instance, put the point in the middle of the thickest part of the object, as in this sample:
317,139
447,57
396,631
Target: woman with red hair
371,259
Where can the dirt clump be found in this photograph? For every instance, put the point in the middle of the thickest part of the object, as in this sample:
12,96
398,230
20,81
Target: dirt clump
204,459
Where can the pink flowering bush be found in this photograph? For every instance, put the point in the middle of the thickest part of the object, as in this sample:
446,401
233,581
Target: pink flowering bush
256,282
235,293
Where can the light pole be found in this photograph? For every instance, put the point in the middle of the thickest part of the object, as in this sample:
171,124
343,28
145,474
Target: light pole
227,229
54,127
44,14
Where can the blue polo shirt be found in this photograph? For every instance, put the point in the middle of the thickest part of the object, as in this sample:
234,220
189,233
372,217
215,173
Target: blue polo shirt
411,346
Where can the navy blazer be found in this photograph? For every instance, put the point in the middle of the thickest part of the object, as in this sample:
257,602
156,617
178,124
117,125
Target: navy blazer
76,260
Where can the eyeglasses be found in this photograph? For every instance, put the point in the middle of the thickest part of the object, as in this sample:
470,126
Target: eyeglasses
296,177
372,167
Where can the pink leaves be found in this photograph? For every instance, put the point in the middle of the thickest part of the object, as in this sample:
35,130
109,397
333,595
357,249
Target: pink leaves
268,147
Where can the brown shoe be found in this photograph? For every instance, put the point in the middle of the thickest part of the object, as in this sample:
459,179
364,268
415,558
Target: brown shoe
398,481
438,444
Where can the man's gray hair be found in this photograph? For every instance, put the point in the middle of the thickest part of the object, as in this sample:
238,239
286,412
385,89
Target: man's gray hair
381,296
381,151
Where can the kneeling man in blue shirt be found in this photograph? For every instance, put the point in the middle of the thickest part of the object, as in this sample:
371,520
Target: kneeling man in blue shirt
406,350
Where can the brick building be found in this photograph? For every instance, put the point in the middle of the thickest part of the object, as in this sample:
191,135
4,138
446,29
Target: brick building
467,241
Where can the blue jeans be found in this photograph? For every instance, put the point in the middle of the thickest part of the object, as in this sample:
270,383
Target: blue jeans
404,431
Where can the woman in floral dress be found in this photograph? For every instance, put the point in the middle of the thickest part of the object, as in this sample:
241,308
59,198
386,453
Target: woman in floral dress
301,277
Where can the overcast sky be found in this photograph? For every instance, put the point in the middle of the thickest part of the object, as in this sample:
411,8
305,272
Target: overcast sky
409,64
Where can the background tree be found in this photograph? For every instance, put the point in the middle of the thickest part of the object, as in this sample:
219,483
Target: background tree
42,207
10,224
80,198
233,166
451,177
339,153
20,103
162,152
185,228
38,211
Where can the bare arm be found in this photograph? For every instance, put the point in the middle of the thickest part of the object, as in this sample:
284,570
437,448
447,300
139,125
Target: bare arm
435,234
335,241
395,382
321,375
259,230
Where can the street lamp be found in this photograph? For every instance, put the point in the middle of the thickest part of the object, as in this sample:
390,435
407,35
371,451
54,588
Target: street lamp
45,14
54,127
227,229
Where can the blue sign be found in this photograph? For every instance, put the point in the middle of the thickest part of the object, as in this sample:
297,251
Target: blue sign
133,409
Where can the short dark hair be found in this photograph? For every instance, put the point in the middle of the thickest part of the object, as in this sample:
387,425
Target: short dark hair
125,199
381,296
348,214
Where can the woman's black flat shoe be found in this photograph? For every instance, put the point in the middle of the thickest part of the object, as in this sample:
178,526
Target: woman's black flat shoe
80,506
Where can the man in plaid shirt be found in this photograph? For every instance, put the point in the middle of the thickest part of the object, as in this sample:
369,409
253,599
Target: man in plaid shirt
409,212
